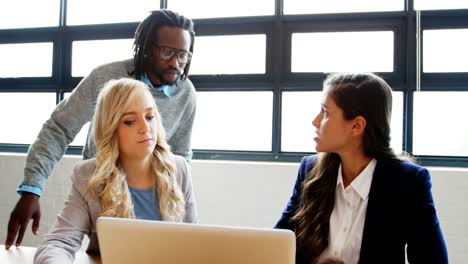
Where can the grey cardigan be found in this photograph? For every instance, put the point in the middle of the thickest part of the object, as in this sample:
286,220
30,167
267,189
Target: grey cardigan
80,212
177,114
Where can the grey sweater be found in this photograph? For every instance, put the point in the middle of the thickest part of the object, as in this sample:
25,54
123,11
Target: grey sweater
177,113
78,217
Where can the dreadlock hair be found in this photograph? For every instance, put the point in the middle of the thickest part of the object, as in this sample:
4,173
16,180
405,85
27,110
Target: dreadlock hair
146,34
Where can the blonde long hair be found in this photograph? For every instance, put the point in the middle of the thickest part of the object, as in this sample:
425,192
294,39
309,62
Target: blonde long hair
109,180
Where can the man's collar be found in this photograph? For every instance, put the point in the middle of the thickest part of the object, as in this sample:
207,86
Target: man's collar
165,88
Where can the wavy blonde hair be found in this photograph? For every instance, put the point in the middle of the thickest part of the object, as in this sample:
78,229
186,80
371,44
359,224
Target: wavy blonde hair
109,180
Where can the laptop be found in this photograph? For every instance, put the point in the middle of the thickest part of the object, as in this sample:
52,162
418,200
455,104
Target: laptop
141,241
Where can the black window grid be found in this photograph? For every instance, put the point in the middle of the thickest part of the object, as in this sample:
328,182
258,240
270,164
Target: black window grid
278,76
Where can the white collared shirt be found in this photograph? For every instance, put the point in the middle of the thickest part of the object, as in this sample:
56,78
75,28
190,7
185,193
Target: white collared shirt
348,216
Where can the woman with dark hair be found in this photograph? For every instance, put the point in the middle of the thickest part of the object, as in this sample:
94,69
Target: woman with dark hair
357,201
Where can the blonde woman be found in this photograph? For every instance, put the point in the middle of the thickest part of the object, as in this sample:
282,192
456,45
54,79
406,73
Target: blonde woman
134,174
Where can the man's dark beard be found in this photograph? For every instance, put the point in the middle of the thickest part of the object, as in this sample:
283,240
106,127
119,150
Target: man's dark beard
163,81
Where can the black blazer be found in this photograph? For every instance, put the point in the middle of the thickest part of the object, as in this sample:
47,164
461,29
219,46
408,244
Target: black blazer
400,213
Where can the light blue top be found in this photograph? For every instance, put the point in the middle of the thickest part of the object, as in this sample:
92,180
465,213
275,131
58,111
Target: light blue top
145,204
165,88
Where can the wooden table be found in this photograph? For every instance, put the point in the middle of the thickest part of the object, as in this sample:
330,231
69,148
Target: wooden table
25,255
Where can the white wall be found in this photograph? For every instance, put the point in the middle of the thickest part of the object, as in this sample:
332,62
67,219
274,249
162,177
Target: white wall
239,193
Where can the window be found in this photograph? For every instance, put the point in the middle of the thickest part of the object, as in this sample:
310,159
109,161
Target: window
84,12
233,121
15,15
343,51
445,50
437,4
26,60
258,67
298,111
91,53
23,114
216,8
340,6
239,54
440,126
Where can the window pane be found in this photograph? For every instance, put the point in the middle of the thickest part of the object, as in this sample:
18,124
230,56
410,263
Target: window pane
238,54
217,8
81,12
233,121
37,55
44,13
437,4
340,6
299,110
445,50
80,138
396,125
343,51
439,126
89,54
25,113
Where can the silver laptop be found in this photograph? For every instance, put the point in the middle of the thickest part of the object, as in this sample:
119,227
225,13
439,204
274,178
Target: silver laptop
140,241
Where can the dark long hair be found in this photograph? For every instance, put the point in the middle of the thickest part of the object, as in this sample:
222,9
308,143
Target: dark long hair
147,32
357,94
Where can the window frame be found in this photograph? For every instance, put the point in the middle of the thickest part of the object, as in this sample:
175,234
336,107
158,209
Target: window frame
278,76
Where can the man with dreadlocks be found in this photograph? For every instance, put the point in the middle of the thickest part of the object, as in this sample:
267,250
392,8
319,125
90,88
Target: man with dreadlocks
162,52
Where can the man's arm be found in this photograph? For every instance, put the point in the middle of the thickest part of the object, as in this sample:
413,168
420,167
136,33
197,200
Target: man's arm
65,122
63,125
180,142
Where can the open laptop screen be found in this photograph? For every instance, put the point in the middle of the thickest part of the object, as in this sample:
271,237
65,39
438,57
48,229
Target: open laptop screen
140,241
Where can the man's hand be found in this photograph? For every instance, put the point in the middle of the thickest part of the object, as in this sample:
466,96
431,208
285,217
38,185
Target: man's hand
329,260
27,207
